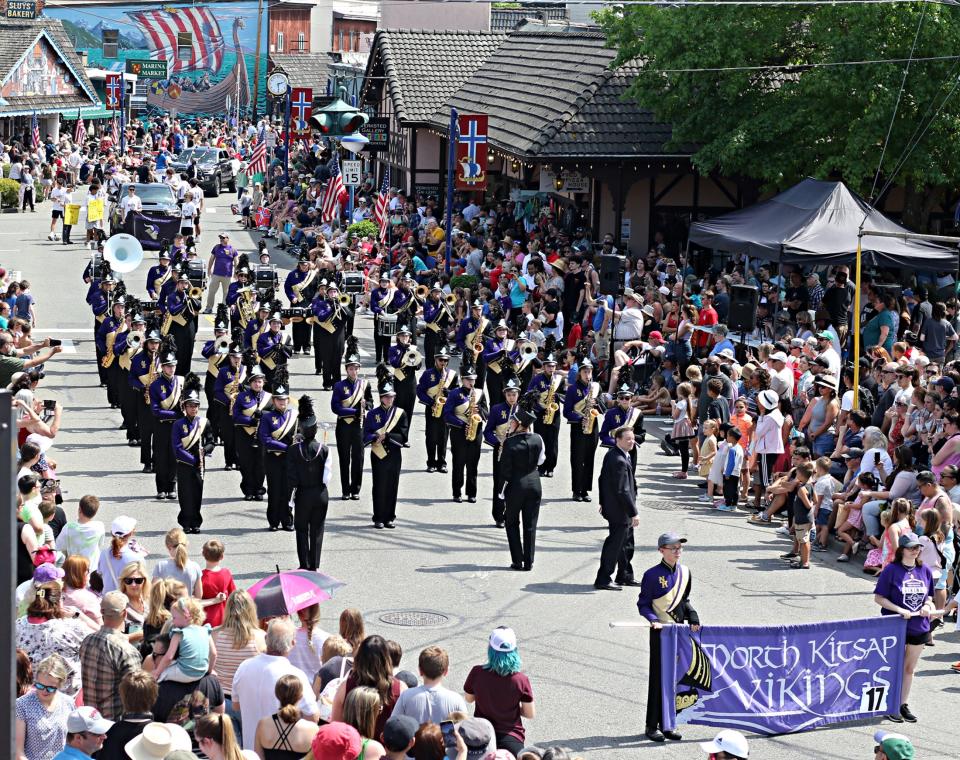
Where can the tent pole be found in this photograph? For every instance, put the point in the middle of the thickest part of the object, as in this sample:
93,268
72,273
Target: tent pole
856,322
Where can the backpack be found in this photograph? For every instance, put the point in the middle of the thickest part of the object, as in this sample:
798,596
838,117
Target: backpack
866,402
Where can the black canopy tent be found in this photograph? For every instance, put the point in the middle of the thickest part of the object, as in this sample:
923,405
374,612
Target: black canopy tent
818,222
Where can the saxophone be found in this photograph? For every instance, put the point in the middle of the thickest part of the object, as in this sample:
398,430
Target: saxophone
550,406
473,418
590,412
232,389
108,356
151,376
439,400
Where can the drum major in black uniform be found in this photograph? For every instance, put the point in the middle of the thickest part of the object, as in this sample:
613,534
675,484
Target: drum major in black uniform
385,430
521,458
308,475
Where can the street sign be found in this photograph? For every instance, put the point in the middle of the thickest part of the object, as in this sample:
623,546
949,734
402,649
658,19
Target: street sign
377,131
352,172
21,9
147,68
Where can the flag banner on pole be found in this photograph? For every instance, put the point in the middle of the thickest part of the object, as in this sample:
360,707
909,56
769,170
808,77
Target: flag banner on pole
35,131
471,170
114,132
301,108
381,214
113,89
782,679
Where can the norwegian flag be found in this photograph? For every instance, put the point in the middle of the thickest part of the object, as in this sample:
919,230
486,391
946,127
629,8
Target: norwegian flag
79,132
335,195
35,130
381,214
258,160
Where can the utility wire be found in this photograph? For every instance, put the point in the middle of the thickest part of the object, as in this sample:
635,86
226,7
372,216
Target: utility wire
799,66
896,107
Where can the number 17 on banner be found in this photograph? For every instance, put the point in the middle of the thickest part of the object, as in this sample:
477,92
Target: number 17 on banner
873,698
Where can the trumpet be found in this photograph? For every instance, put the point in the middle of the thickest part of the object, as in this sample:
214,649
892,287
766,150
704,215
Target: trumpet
411,358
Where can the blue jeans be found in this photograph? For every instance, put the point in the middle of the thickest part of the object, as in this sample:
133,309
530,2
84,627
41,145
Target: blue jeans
823,445
871,517
234,717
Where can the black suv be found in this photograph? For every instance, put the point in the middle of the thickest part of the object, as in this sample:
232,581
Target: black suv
214,168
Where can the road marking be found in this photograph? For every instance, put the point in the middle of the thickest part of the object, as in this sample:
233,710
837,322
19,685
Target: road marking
211,210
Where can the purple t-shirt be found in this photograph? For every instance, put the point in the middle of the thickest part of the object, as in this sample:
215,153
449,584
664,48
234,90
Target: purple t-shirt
907,587
223,256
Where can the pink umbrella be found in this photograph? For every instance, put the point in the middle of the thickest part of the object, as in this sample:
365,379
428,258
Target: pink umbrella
292,590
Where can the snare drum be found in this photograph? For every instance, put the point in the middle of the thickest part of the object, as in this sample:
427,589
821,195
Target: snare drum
352,282
387,325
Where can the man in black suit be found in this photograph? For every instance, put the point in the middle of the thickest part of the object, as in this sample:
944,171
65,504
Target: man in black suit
618,505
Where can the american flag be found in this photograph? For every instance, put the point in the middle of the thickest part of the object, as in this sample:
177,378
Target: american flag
36,131
113,132
381,214
334,195
79,133
258,159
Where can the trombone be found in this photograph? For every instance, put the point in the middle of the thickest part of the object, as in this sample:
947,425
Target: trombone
421,292
223,345
411,358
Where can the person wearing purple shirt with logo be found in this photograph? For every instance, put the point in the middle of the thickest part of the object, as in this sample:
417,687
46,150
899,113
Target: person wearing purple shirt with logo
219,270
905,587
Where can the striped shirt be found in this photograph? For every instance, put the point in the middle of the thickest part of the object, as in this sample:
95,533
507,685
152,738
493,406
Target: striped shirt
229,658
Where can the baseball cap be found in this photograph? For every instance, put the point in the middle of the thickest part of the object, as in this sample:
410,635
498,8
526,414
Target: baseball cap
946,383
113,603
727,353
655,335
778,356
894,746
797,343
670,537
908,541
503,639
825,335
477,733
46,573
398,732
123,526
732,742
87,720
853,453
336,741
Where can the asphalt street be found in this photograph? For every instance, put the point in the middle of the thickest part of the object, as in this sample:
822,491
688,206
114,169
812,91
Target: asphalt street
450,560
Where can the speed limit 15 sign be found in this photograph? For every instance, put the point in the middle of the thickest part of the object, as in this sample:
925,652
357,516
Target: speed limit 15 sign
352,172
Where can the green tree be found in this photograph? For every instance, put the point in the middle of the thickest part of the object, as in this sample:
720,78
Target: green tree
780,125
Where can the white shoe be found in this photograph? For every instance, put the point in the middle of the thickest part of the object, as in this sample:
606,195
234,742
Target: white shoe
703,497
783,530
51,236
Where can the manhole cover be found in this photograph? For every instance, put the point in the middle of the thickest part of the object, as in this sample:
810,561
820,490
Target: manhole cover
669,506
415,618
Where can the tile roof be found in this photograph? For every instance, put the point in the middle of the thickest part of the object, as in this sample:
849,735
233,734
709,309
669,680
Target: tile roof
424,68
15,34
304,69
549,92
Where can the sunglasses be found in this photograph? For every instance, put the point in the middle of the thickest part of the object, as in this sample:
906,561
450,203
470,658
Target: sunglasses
43,687
133,581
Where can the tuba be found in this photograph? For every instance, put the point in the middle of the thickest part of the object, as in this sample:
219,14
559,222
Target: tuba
246,306
123,252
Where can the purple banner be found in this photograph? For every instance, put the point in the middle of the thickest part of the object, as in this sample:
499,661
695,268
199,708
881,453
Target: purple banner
151,230
782,679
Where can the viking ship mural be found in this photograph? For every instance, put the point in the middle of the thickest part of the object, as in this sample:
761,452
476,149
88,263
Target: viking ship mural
209,71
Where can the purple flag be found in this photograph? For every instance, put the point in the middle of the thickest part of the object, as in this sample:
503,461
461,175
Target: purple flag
782,679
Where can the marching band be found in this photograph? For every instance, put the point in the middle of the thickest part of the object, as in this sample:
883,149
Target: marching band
506,393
